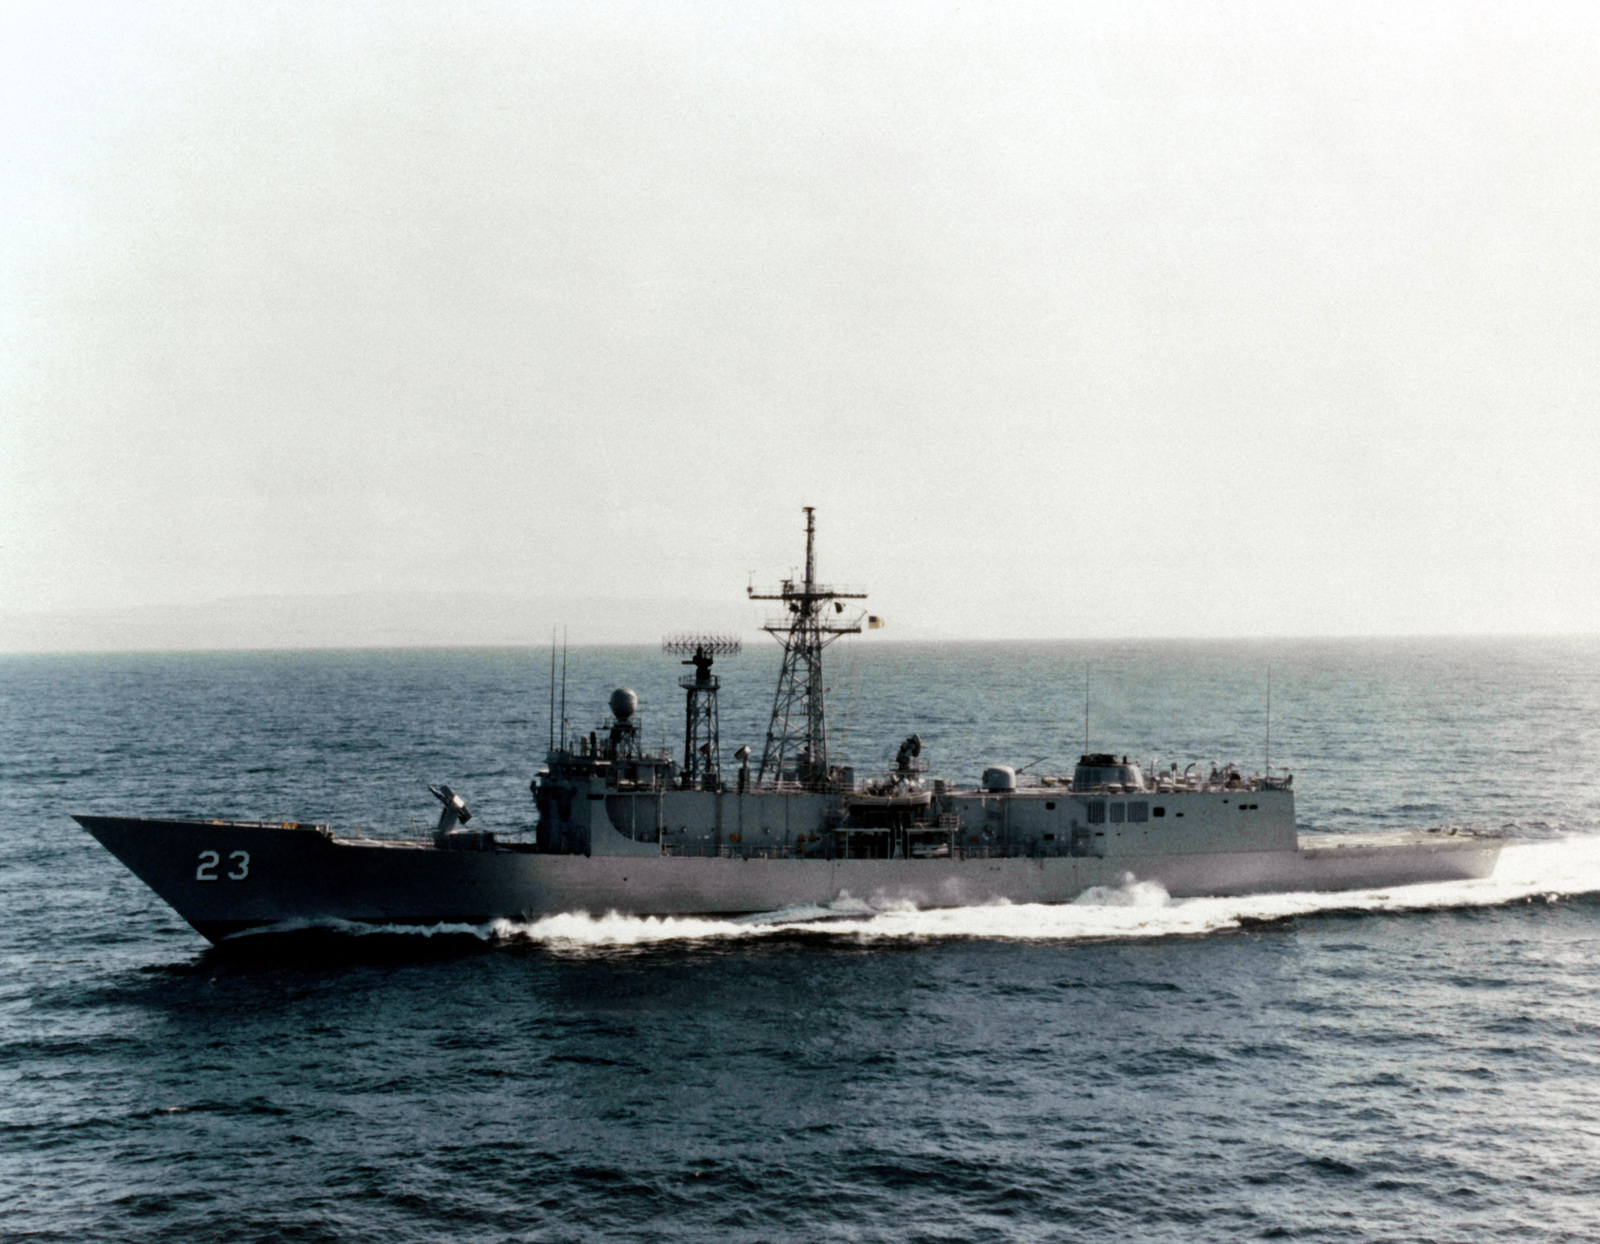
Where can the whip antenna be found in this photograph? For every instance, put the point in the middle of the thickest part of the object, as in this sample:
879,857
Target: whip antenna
1086,708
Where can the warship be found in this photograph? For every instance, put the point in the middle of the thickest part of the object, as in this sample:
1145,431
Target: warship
627,829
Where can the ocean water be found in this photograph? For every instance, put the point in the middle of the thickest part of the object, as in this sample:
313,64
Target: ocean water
1413,1064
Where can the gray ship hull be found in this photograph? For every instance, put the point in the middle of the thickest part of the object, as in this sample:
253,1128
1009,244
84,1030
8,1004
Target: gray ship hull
227,877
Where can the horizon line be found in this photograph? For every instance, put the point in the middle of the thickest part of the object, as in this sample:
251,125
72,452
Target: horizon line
1371,637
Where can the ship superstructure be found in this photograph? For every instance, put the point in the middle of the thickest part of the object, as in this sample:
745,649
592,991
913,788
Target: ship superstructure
602,795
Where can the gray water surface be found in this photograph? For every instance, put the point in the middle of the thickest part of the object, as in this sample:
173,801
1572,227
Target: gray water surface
1423,1068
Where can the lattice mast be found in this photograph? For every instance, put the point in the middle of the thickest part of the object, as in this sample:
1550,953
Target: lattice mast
798,732
702,740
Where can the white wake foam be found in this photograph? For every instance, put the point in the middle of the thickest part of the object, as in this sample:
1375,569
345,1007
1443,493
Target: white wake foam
1136,909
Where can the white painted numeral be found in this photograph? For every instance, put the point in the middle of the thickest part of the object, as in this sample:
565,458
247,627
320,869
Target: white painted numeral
210,860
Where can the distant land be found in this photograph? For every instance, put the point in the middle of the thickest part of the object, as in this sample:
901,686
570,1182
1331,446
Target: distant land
370,620
434,619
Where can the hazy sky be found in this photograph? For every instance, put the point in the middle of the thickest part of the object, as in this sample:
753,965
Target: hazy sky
1100,320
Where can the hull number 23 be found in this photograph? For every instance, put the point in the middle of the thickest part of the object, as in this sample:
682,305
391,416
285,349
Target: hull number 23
210,861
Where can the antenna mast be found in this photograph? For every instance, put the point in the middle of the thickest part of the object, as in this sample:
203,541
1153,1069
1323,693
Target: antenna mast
702,739
563,686
1086,708
1268,755
797,737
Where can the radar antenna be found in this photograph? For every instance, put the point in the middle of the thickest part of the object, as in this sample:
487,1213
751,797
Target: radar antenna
798,733
702,743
